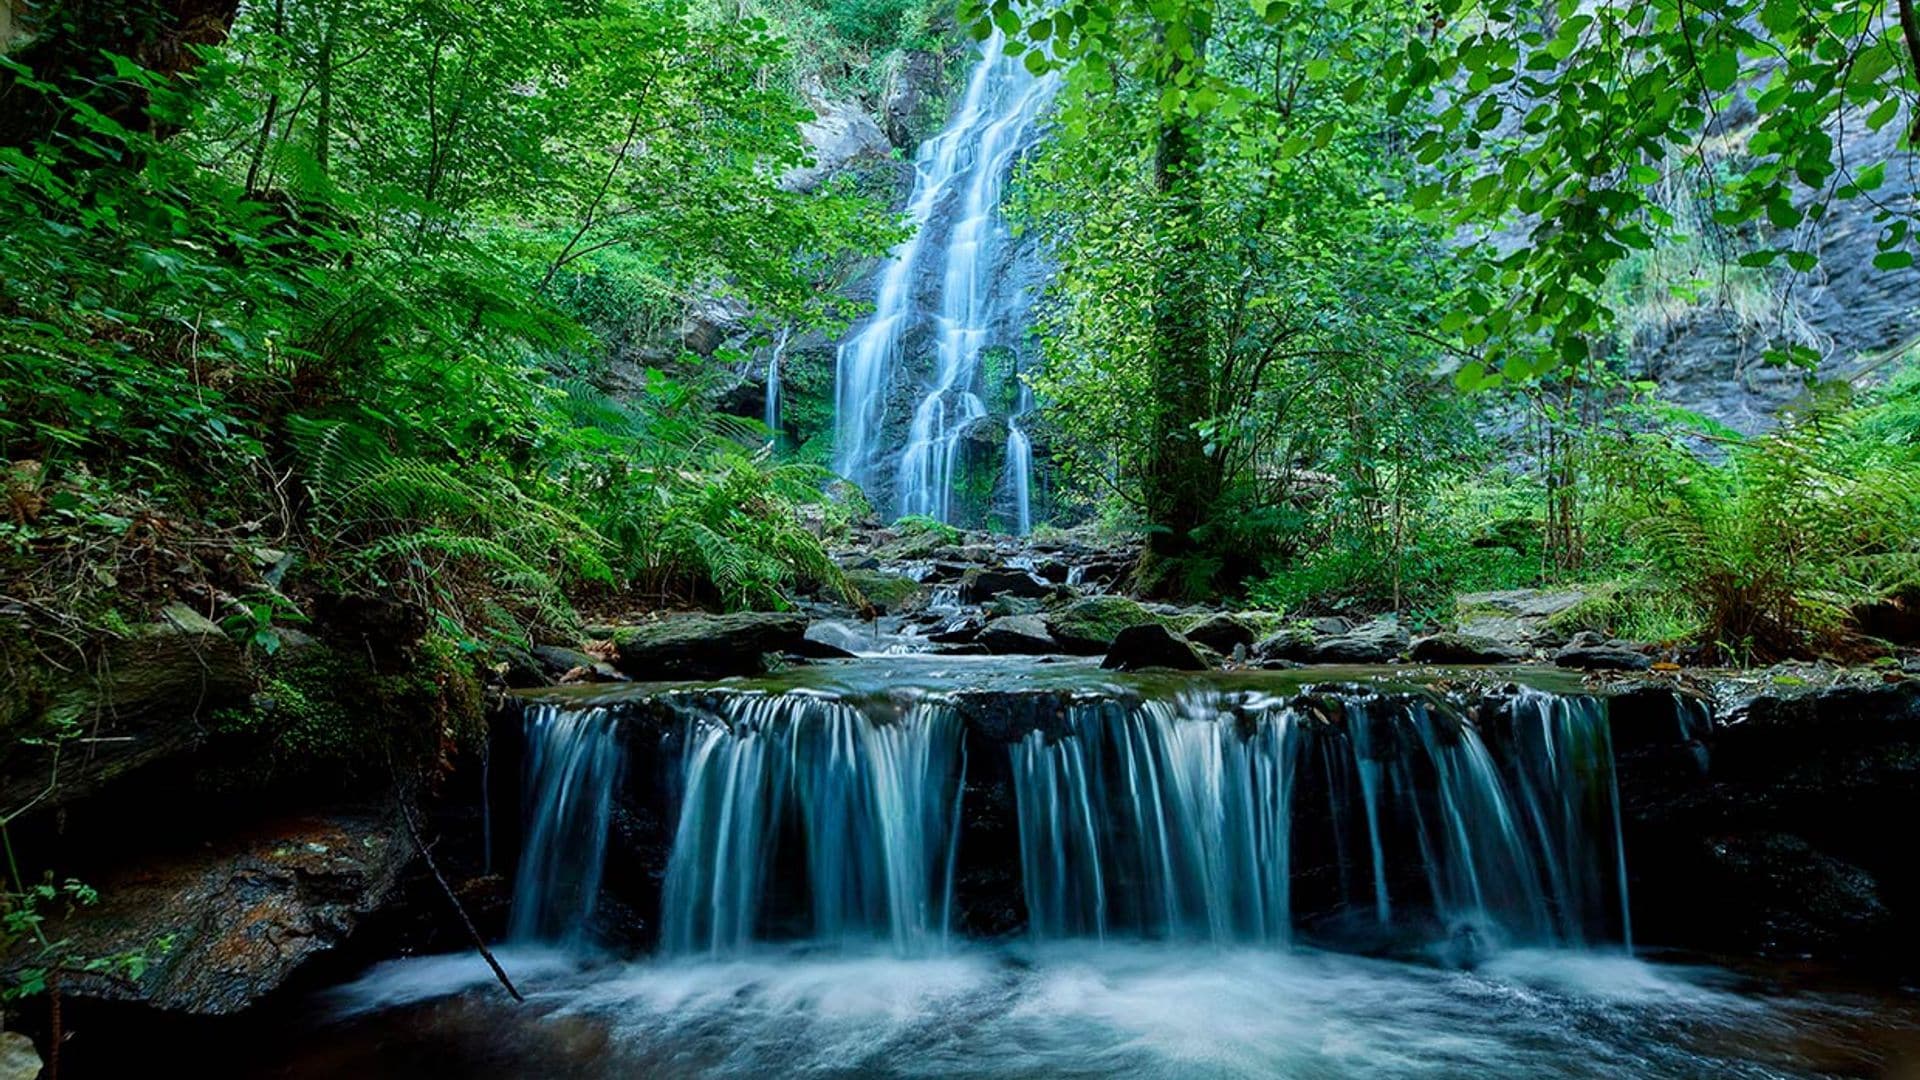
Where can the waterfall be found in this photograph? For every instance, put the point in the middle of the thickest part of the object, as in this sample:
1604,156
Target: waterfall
1347,815
573,764
1020,464
772,413
1183,819
798,790
945,283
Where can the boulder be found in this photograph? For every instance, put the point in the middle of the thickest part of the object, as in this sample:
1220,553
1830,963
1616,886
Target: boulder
1514,616
887,592
1375,643
1293,644
981,584
1017,634
572,665
1590,652
1222,633
698,646
1452,648
19,1059
1089,625
1002,606
1151,645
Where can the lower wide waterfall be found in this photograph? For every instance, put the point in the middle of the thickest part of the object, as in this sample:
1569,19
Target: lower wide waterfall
1352,815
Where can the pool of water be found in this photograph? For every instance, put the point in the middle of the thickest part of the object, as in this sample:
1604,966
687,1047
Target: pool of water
1109,1010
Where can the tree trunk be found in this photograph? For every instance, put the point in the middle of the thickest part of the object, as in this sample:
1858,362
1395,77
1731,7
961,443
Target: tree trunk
1179,484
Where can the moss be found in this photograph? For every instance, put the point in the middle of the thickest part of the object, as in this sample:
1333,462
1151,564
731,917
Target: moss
888,592
323,715
1093,622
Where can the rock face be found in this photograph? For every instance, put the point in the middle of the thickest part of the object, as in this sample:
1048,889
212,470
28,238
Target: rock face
1088,625
697,646
1767,832
224,923
1017,634
1151,645
839,136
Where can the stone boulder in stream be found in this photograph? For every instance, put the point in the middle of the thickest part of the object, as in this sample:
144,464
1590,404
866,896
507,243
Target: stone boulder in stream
699,646
1450,648
1089,625
1591,652
982,584
1151,645
1222,632
1017,635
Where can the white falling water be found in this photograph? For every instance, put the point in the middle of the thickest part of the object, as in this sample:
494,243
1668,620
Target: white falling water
772,416
869,812
573,764
1020,464
959,178
1178,819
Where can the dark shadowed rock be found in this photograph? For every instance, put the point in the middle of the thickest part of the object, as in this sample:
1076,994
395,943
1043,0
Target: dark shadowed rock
982,584
706,646
243,911
1292,645
1150,645
1222,633
1088,625
1450,648
146,700
1017,634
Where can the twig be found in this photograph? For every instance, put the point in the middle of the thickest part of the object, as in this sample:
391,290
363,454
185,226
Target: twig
427,857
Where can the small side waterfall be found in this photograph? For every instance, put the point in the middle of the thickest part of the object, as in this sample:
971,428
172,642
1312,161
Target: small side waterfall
1019,479
1184,818
771,415
804,818
946,293
573,764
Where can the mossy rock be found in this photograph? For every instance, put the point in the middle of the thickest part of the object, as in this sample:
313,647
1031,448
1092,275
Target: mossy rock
142,697
888,592
1089,625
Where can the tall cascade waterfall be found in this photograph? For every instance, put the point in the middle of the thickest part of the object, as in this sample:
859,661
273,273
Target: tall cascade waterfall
947,294
1225,816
